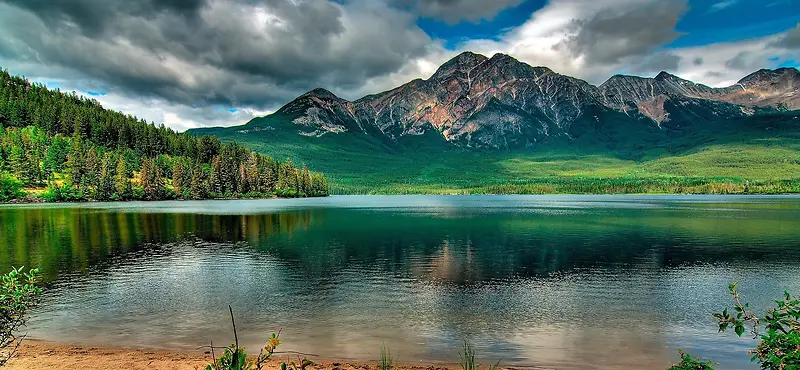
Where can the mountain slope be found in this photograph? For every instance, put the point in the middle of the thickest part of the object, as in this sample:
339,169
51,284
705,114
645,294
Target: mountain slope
475,114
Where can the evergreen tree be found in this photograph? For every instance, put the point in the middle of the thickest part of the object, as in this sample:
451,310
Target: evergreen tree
250,174
56,154
266,175
305,181
35,174
75,161
18,162
199,185
122,183
216,177
178,178
92,168
152,180
106,185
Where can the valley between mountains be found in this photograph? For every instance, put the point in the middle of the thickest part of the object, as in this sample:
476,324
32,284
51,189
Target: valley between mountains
497,125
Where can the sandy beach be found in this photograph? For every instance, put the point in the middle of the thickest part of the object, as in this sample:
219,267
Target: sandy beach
37,354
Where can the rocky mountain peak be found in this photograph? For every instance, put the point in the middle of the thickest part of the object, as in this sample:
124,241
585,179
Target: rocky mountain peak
461,63
666,76
770,75
322,94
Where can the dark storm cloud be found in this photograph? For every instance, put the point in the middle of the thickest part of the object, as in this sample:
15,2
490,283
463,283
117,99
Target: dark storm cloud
790,40
200,52
613,35
455,11
92,16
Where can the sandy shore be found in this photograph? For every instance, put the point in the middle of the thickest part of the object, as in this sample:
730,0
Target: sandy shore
36,354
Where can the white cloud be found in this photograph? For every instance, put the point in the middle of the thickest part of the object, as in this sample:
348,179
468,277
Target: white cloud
722,5
538,42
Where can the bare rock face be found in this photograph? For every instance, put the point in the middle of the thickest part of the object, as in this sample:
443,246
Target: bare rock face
496,103
778,88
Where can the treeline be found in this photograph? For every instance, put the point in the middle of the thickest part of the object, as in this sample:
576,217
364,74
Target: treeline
81,151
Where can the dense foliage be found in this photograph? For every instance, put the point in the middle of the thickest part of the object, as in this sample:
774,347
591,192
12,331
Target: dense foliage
779,348
82,151
18,294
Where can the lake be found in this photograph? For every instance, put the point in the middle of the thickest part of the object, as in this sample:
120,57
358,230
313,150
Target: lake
591,282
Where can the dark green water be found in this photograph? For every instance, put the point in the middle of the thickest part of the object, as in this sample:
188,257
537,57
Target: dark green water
599,282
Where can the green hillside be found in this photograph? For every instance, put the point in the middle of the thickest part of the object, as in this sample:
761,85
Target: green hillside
759,154
56,146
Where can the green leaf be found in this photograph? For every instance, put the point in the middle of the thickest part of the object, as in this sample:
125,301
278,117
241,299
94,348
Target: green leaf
739,330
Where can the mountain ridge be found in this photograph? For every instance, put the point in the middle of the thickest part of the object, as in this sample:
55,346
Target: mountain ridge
499,102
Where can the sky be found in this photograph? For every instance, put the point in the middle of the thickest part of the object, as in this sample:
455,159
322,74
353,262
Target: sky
200,63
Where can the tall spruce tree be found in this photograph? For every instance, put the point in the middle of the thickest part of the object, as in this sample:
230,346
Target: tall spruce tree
216,177
106,181
199,186
178,178
76,160
91,175
122,183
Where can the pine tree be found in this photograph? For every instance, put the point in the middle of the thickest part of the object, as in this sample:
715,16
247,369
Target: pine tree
144,175
105,187
35,174
75,160
92,165
56,154
251,173
152,180
122,183
178,178
198,182
305,181
18,162
266,174
216,176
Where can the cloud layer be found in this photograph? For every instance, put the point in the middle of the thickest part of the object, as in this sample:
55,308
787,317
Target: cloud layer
193,63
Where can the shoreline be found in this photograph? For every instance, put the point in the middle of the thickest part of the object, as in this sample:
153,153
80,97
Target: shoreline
37,354
21,202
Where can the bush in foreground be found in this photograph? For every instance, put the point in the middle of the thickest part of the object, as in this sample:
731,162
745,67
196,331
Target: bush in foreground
688,362
18,294
778,329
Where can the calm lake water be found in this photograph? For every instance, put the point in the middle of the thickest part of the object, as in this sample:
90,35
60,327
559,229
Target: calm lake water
592,282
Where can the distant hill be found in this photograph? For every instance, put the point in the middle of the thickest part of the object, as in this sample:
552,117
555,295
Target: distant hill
484,111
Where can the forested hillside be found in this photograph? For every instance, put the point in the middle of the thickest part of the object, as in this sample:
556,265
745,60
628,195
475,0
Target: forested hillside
57,146
498,125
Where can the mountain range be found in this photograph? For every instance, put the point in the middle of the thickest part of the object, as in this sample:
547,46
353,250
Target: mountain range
500,103
500,106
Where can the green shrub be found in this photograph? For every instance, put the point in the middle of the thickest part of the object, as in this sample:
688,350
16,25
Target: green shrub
691,363
18,294
138,193
63,193
10,187
779,348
